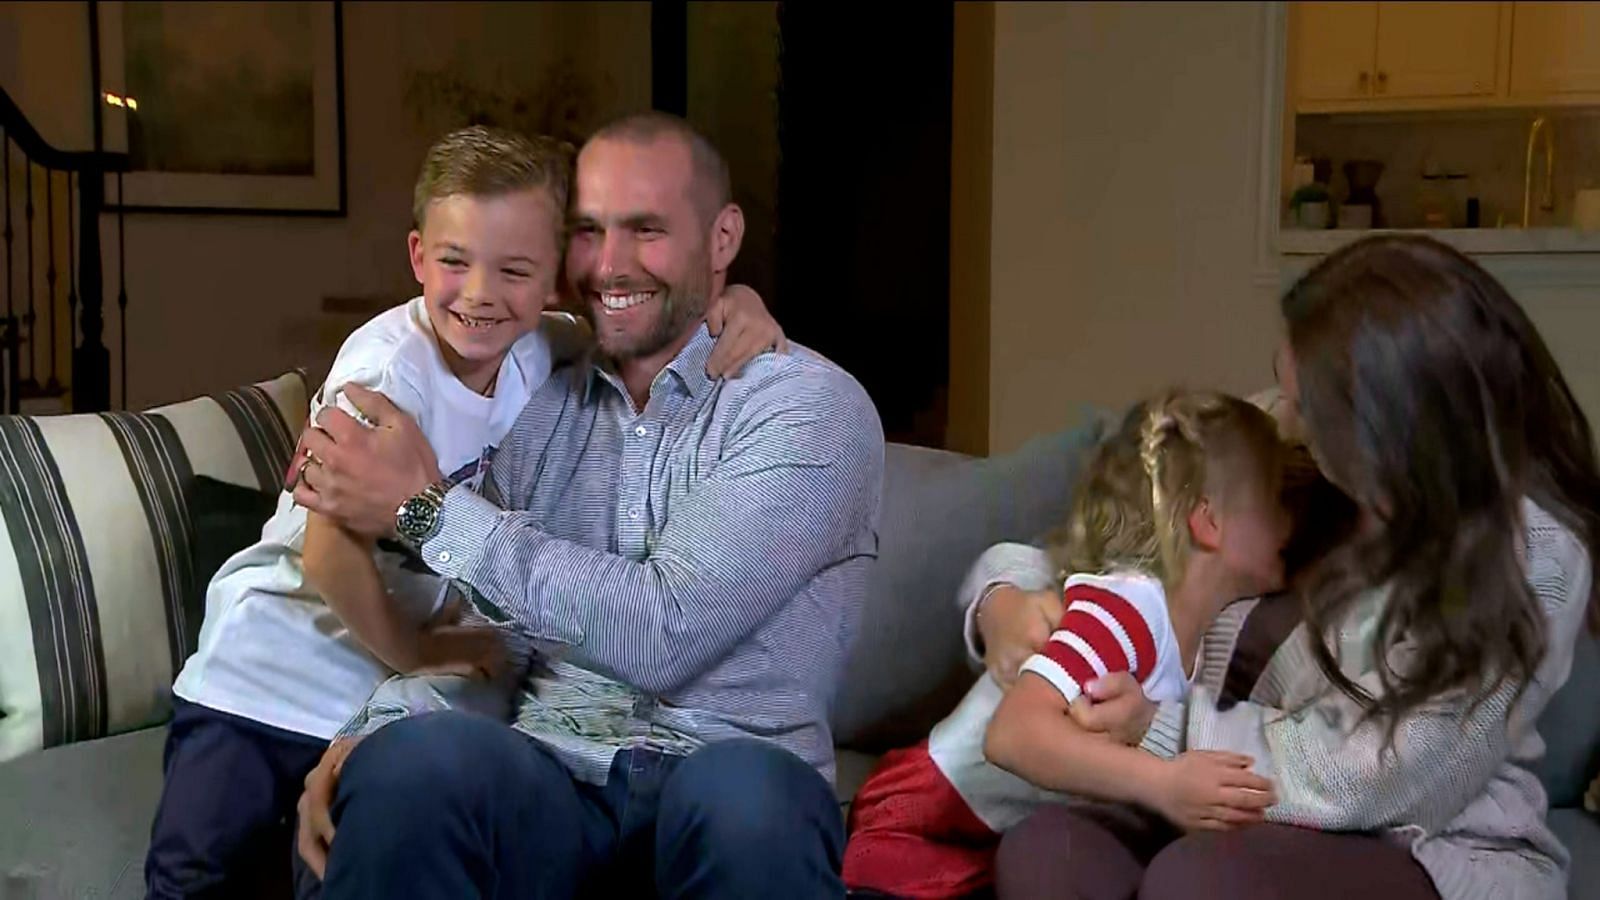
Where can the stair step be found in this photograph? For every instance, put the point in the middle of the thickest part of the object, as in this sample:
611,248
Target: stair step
44,406
27,390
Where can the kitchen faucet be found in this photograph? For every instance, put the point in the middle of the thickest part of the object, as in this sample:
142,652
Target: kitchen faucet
1547,199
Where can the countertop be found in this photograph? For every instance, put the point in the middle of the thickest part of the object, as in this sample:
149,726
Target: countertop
1477,241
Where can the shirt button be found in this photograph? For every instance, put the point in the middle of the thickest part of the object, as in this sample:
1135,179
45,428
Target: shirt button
633,513
444,556
641,431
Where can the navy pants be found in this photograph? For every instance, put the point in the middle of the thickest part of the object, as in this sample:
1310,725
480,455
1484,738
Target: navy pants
450,805
225,825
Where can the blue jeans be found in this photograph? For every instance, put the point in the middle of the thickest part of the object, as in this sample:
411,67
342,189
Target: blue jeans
450,805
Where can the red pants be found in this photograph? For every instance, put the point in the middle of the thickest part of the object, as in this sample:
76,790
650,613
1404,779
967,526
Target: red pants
912,836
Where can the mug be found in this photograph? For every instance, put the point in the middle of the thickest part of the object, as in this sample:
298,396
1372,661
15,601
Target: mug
1586,210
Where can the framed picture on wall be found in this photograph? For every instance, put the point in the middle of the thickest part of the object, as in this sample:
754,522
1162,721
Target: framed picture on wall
224,107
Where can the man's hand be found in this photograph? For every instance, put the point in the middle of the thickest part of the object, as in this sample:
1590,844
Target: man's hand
315,834
1014,625
744,329
359,475
1115,706
1206,790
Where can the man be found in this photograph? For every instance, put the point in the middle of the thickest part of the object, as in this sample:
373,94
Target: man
691,555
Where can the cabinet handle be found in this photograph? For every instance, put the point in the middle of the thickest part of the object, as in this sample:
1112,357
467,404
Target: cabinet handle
1383,81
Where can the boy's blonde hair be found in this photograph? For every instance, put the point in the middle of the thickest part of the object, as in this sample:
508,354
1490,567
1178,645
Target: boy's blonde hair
480,161
1131,509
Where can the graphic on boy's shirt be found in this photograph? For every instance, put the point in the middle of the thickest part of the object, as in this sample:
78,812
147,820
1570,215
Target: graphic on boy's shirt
471,474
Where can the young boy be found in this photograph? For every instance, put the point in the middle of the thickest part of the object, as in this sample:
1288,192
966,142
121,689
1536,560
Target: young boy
303,626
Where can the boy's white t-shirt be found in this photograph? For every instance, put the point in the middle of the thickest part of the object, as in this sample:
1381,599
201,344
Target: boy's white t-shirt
270,649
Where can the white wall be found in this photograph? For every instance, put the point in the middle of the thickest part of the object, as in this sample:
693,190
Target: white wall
1123,218
219,300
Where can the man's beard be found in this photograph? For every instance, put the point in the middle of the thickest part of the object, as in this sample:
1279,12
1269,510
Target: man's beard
683,305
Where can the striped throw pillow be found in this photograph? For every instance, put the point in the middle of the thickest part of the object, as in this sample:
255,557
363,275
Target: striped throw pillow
98,593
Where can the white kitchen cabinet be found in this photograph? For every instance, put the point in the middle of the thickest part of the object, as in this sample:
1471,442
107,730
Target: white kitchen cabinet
1555,49
1436,50
1396,56
1334,43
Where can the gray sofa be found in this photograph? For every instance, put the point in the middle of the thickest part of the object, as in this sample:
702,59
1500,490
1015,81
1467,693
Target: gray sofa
74,819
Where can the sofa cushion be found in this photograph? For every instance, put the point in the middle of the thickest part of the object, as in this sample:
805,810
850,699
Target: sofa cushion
907,668
76,820
227,518
1570,727
1579,831
98,594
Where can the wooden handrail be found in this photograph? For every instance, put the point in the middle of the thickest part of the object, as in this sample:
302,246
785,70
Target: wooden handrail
34,147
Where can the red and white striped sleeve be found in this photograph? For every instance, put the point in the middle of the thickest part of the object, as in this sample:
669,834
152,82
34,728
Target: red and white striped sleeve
1100,632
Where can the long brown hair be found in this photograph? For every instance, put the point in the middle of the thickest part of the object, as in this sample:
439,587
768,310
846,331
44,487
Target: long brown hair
1430,398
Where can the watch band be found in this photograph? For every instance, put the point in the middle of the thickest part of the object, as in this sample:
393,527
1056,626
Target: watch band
417,519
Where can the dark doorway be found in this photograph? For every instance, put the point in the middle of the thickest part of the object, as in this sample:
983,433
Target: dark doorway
863,206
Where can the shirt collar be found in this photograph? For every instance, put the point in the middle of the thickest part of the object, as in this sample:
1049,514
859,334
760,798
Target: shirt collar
688,367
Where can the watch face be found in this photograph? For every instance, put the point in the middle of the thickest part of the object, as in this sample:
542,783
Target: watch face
416,518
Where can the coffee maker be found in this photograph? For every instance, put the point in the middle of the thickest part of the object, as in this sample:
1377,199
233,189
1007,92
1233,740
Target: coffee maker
1361,207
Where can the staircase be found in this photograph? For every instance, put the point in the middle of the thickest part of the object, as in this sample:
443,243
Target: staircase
52,296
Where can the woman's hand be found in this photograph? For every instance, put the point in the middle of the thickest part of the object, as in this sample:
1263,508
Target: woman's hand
1014,625
1116,706
744,329
1206,790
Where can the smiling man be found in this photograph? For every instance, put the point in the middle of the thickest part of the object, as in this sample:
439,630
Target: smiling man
692,554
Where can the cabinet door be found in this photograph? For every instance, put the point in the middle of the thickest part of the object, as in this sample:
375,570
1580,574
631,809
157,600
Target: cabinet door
1437,49
1333,47
1555,48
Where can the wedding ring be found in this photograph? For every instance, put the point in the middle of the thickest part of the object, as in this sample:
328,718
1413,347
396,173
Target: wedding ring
300,473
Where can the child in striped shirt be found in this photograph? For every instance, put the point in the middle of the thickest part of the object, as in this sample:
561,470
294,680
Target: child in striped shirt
1178,514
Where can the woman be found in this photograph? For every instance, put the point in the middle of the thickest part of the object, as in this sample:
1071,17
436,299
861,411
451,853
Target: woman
1394,719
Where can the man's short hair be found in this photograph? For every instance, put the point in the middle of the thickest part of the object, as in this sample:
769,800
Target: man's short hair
713,187
480,161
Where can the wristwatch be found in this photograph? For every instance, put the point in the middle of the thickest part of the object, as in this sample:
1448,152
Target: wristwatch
417,519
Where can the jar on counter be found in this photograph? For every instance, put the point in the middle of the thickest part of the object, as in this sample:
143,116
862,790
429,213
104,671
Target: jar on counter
1442,200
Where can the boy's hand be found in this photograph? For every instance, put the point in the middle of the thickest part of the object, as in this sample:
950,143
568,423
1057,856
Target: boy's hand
469,650
743,329
1206,790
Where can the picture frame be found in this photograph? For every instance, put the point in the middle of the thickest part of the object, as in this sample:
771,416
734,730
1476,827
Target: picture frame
232,108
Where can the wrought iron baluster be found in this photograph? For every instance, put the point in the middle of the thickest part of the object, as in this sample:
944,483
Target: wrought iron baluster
72,265
122,292
27,317
53,385
11,312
